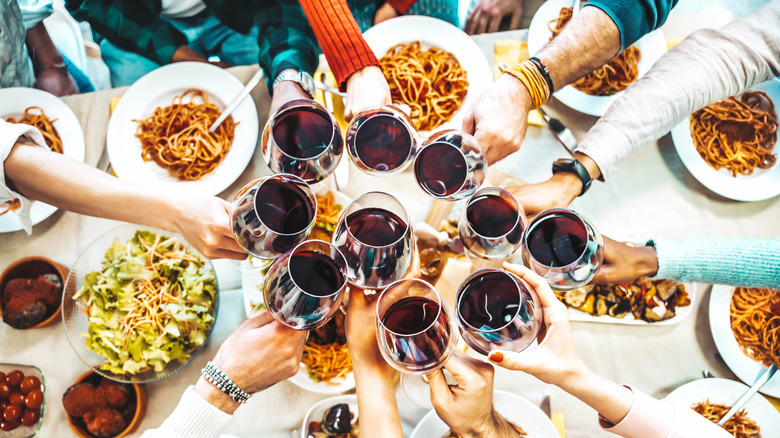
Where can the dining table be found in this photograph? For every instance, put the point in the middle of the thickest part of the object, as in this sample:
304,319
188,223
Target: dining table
651,195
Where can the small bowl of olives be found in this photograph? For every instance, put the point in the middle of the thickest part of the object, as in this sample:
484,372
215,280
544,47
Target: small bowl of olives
332,417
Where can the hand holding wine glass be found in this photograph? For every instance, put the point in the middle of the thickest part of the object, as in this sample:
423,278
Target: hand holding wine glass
450,165
624,263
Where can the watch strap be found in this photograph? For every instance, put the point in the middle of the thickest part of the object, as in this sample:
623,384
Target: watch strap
303,79
570,165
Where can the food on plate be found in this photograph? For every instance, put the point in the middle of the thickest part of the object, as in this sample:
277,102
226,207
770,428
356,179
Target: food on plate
325,353
431,82
21,398
755,321
152,302
44,124
177,136
610,78
104,410
739,425
12,205
32,295
646,299
337,421
328,214
738,133
519,431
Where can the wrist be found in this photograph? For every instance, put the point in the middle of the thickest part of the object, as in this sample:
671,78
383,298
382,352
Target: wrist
646,261
569,187
519,90
575,378
215,396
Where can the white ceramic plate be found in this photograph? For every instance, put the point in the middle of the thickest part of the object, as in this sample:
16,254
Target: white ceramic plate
317,410
436,33
252,280
13,102
724,391
514,408
744,367
762,184
157,89
680,315
652,46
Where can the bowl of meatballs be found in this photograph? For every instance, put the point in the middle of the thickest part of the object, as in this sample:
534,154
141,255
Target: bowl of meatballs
98,407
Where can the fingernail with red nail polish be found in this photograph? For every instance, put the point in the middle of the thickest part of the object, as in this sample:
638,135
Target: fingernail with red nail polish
497,356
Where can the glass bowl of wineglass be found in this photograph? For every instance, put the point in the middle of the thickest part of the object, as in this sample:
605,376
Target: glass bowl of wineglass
376,238
497,310
304,287
302,138
271,215
381,141
563,247
491,224
450,166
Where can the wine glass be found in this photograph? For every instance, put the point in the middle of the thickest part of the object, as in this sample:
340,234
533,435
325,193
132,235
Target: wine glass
491,224
381,141
497,310
305,286
271,215
450,166
563,247
376,238
413,327
302,138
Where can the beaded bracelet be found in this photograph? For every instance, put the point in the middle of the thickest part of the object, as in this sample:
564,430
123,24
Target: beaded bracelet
533,80
219,379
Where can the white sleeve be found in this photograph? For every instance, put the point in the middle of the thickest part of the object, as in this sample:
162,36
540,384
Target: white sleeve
10,133
194,417
709,65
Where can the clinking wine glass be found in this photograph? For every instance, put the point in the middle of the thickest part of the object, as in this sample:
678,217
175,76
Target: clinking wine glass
450,166
302,138
305,286
272,215
497,310
381,141
491,224
563,247
376,238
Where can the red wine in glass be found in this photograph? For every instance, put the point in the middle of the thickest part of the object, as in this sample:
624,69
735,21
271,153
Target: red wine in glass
563,247
376,239
492,223
302,138
450,165
497,310
381,141
304,287
413,327
272,215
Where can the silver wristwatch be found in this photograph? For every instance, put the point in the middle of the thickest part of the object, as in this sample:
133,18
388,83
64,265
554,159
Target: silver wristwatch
301,78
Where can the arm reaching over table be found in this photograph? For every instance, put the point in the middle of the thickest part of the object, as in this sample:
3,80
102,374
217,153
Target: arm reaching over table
32,171
260,353
623,410
735,262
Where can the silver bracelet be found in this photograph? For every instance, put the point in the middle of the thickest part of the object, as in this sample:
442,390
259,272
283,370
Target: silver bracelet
219,379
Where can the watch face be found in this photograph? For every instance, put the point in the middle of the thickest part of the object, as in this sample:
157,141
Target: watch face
564,161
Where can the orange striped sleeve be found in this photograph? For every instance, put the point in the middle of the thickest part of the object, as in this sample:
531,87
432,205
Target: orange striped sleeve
339,36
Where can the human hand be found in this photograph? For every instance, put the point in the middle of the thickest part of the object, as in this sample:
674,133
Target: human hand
366,89
555,192
361,334
555,360
204,222
624,263
56,80
260,353
488,14
384,13
467,407
499,117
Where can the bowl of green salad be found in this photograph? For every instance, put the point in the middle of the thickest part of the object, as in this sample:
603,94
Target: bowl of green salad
139,304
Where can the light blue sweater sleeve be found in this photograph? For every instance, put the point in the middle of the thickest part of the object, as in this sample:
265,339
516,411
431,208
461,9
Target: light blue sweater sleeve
635,18
35,11
735,262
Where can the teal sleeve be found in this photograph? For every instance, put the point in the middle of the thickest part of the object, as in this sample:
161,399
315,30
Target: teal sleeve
635,18
735,262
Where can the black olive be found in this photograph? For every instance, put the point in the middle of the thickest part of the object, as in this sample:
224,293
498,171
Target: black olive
337,420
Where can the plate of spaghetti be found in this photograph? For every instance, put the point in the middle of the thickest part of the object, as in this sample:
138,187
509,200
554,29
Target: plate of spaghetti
713,397
60,128
730,146
595,92
159,133
745,324
431,66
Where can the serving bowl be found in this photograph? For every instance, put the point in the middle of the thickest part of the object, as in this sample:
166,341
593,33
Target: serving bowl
317,410
28,370
76,320
20,269
137,403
